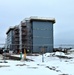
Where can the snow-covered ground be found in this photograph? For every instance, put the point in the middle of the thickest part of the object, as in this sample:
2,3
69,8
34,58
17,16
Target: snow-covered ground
52,65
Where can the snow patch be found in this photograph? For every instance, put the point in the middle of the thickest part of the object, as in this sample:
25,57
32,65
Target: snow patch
59,53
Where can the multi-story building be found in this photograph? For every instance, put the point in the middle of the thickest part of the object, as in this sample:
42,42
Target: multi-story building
42,34
10,38
12,41
34,34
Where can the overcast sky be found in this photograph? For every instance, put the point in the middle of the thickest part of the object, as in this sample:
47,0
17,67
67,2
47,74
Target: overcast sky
13,11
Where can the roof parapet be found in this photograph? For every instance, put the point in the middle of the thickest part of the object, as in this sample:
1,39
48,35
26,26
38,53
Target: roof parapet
42,19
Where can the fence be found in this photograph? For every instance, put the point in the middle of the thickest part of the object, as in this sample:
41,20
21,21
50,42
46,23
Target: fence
34,48
28,47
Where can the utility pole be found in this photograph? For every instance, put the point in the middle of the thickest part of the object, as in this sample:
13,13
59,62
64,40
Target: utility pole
42,49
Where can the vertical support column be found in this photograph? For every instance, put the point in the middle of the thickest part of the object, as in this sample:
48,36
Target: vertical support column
20,40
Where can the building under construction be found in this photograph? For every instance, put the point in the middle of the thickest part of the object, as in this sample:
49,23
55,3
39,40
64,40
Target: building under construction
12,42
31,34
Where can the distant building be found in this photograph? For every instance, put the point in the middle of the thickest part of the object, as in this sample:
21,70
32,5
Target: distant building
33,34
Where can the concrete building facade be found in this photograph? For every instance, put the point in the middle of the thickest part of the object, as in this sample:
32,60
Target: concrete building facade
42,33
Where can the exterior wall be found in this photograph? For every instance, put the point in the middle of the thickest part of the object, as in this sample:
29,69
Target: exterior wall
42,36
10,40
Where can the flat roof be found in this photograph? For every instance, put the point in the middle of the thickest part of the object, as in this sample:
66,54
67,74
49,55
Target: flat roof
33,18
10,28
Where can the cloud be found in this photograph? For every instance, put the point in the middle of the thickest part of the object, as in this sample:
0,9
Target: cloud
13,11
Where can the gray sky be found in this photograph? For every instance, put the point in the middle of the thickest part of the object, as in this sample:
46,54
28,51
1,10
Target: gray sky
13,11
